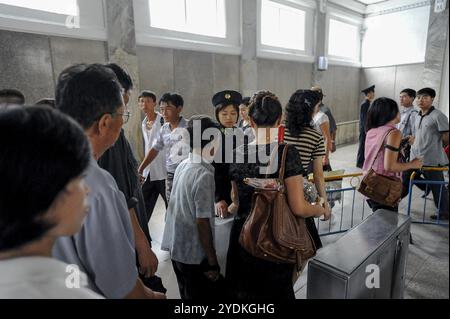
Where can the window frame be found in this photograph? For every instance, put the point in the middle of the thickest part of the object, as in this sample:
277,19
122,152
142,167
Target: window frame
150,36
91,13
273,52
352,20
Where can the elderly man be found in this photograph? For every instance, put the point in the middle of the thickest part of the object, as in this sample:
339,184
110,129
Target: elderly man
104,248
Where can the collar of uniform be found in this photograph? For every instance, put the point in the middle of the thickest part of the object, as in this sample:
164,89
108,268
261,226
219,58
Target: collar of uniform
428,113
406,109
196,158
26,269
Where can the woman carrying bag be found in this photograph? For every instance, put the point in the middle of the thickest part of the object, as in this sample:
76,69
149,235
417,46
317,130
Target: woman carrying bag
382,168
250,277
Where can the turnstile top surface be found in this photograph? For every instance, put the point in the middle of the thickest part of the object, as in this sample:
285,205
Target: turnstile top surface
347,254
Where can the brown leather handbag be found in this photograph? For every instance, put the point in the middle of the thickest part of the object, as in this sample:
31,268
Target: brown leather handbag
272,232
382,189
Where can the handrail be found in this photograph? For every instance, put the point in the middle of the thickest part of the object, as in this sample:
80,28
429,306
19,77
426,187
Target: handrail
429,169
338,177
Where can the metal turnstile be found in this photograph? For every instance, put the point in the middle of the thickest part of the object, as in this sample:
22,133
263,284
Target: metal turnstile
368,262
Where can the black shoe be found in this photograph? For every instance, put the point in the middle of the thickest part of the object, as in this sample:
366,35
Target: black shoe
441,217
426,193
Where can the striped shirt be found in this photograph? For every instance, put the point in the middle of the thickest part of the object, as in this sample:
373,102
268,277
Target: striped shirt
309,143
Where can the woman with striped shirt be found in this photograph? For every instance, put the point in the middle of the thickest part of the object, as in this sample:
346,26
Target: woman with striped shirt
300,133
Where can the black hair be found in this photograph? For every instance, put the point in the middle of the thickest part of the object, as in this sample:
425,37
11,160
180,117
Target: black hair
427,91
300,110
206,122
42,151
382,111
221,107
246,100
88,92
148,94
124,78
174,98
410,92
12,96
46,101
265,109
64,78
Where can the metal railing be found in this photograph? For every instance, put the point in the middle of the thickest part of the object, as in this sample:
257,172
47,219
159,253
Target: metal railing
413,181
347,220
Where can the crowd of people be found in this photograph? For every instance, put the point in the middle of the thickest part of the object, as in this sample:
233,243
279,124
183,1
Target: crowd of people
73,194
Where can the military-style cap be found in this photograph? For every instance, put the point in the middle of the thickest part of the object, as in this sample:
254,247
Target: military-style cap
227,97
369,89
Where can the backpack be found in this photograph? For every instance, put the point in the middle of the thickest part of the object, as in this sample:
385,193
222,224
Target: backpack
272,232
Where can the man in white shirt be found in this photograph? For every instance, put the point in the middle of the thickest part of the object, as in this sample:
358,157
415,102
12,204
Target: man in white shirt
154,174
408,113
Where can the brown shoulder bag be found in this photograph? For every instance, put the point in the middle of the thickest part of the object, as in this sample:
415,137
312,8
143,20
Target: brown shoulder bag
272,232
382,189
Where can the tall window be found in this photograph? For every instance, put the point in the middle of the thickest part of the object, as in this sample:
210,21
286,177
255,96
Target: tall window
282,26
343,40
203,17
65,7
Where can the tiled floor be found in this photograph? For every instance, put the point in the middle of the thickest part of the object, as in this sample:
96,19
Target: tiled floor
427,273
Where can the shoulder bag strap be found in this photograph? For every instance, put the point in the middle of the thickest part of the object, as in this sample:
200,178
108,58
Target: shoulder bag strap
283,164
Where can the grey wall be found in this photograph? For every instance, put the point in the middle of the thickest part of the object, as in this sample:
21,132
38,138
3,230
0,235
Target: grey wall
31,63
195,75
391,80
340,85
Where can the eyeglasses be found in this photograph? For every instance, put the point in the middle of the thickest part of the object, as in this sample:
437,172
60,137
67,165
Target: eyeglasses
125,116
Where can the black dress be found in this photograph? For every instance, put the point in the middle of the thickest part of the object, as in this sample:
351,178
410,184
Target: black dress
249,277
222,166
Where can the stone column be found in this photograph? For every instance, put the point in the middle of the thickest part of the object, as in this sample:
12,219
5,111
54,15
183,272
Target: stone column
249,62
319,40
435,52
122,51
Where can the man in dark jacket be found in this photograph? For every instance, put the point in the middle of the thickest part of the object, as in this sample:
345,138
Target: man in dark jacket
120,162
370,96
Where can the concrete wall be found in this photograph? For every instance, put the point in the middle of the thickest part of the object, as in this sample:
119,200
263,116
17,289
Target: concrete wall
391,80
340,85
195,75
31,63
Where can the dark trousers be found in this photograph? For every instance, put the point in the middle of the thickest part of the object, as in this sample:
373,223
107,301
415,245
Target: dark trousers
152,190
192,282
251,278
435,189
361,149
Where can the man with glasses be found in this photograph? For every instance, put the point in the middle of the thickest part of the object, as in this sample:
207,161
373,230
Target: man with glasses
104,248
120,162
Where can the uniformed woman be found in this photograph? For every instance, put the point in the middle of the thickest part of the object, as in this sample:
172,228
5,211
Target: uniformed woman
226,104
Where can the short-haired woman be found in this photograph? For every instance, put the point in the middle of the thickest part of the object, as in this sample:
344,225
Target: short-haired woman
42,197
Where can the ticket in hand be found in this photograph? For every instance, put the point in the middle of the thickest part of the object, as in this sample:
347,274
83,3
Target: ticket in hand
263,183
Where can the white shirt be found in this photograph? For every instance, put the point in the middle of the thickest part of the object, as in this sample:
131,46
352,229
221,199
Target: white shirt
407,121
41,278
104,248
319,119
156,171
